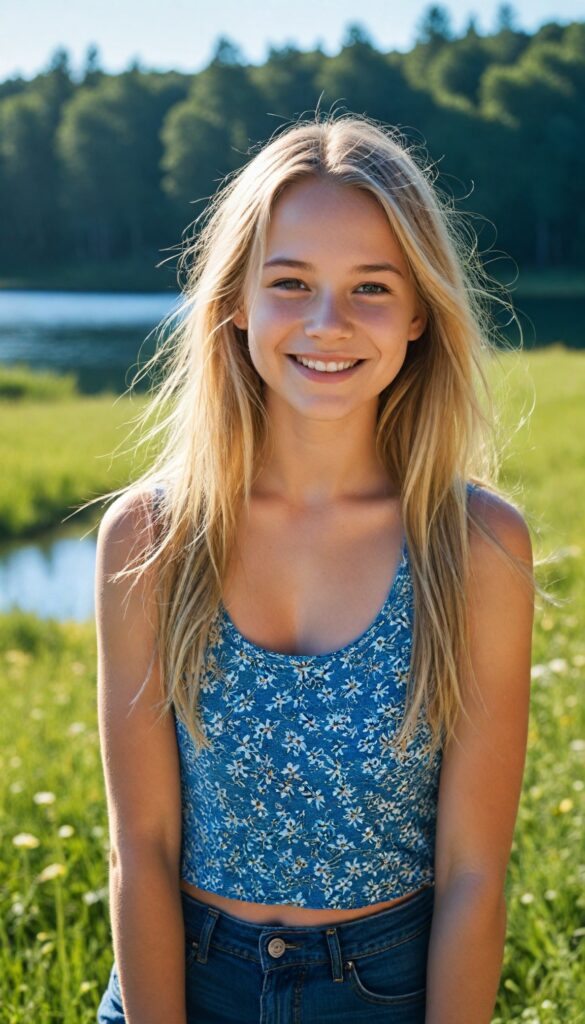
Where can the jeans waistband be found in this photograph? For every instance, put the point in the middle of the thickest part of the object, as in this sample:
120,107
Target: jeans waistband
277,946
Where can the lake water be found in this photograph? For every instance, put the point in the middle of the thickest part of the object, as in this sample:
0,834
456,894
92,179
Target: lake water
100,337
97,337
52,576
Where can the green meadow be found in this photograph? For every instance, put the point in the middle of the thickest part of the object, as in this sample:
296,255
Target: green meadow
59,449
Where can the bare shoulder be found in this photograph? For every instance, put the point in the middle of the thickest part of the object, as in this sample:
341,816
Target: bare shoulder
138,746
126,526
502,520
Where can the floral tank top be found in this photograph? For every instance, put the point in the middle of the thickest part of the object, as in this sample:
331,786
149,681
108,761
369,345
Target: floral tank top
303,799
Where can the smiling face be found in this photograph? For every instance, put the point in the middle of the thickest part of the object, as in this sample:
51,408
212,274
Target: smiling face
334,287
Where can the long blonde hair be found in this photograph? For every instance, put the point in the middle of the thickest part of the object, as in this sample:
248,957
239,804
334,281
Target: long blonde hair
435,428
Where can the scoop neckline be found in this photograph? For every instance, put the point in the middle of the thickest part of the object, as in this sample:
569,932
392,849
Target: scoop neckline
368,633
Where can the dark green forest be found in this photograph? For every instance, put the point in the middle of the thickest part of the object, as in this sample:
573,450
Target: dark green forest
109,168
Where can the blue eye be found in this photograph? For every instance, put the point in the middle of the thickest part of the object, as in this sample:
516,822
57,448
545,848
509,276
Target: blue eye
287,280
370,284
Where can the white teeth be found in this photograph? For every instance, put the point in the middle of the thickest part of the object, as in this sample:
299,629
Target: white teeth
325,367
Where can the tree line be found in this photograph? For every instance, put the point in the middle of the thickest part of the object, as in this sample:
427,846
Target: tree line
105,167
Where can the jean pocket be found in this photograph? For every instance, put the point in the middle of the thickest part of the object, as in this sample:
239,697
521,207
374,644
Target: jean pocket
395,975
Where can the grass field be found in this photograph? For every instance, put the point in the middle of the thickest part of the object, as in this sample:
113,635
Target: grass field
55,942
56,455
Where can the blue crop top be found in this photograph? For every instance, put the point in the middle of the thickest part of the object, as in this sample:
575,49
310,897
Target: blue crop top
302,800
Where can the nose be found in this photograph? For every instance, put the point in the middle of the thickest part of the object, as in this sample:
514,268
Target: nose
327,319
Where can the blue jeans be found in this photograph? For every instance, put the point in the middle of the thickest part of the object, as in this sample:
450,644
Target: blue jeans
369,969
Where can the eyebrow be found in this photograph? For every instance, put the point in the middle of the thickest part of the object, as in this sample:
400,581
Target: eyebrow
363,268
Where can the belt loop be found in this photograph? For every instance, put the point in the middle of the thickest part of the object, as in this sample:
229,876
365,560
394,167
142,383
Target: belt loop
208,926
335,953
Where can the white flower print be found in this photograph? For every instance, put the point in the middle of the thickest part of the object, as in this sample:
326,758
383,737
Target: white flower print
265,729
244,702
337,721
313,796
237,769
354,868
308,722
327,694
289,828
344,844
354,816
293,741
352,688
245,747
279,701
299,865
259,807
292,771
344,793
380,690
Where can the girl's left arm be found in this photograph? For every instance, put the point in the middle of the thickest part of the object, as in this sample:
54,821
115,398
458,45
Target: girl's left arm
481,780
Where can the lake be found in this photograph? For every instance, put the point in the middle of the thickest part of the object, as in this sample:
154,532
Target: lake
51,575
100,337
97,337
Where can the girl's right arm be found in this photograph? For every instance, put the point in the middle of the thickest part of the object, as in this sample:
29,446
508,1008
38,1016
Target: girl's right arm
141,769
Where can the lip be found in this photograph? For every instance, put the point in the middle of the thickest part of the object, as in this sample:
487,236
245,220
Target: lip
324,357
322,376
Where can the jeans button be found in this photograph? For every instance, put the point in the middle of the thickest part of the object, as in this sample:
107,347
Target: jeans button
276,947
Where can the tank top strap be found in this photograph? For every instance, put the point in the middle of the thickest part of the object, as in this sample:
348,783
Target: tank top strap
158,493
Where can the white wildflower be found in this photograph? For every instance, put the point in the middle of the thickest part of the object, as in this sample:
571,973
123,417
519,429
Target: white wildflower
44,798
558,665
26,841
90,898
51,871
76,728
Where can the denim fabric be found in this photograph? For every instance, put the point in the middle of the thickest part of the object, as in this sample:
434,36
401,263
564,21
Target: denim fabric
372,969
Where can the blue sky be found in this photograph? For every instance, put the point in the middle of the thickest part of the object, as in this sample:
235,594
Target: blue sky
181,33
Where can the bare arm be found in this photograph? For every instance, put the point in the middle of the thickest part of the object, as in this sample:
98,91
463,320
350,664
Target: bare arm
481,781
141,769
147,928
465,953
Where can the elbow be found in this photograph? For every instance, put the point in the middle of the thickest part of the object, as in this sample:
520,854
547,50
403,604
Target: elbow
131,858
484,891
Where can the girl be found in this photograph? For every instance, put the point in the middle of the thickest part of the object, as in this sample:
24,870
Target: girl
320,590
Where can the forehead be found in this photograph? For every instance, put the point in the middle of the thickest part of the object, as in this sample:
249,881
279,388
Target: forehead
323,215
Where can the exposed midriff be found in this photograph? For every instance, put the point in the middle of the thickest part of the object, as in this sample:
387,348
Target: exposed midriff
286,916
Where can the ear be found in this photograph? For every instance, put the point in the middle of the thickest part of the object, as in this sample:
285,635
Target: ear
240,319
417,325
